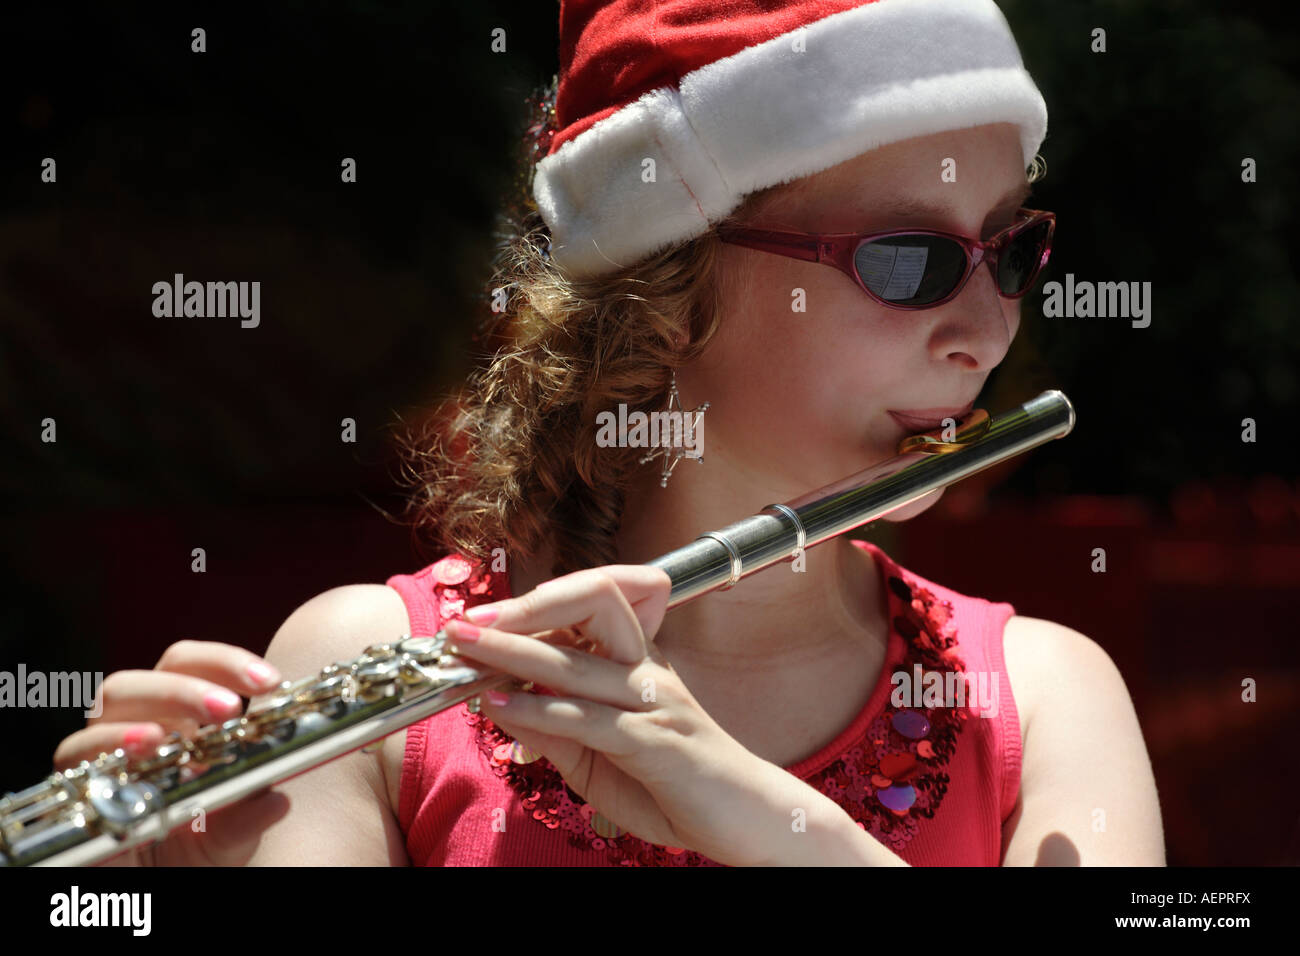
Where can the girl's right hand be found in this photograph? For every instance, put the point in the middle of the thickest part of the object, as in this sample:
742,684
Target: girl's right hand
193,684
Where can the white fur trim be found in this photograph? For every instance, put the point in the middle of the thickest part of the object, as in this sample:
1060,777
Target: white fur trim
869,76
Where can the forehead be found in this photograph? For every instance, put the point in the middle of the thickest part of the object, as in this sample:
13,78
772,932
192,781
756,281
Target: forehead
975,169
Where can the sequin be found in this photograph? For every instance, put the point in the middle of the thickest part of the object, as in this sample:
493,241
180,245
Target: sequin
897,766
453,569
520,753
859,780
911,723
897,798
605,826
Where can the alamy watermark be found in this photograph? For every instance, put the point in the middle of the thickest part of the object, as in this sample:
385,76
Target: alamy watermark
674,428
1098,300
977,690
179,298
26,688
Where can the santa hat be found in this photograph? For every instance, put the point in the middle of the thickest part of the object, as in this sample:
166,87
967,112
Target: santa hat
728,97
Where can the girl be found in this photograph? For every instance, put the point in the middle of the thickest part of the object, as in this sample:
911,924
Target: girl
694,154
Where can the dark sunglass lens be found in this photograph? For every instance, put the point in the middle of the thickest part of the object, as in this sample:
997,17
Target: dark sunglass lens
911,270
1020,257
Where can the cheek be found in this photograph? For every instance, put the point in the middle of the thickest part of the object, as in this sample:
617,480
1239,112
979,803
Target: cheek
806,380
761,363
1011,312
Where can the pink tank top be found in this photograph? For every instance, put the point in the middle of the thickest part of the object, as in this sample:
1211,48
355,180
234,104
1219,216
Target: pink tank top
934,784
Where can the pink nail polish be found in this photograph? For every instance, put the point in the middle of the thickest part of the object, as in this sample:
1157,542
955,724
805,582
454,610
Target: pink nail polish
464,631
136,739
483,614
222,704
260,673
498,698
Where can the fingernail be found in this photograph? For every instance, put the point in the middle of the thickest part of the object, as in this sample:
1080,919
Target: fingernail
498,698
483,614
464,630
220,703
139,739
261,674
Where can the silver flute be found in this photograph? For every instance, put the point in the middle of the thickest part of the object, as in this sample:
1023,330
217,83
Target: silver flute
102,808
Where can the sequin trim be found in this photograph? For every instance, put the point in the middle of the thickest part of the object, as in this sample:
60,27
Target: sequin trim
859,779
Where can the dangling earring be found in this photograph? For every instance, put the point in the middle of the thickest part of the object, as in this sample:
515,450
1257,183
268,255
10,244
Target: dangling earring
690,424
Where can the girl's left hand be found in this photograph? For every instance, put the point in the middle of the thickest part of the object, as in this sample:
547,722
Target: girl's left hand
625,734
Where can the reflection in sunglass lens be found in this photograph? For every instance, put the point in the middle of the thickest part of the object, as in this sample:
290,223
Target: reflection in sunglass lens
911,270
1020,257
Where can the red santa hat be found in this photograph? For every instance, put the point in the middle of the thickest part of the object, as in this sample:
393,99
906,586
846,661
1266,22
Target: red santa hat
728,97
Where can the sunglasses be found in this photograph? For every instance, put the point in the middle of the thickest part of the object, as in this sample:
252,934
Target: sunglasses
917,268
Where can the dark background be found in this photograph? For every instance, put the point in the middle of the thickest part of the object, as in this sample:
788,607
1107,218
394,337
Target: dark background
185,432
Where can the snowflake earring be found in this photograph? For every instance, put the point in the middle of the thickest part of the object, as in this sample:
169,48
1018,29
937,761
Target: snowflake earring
675,450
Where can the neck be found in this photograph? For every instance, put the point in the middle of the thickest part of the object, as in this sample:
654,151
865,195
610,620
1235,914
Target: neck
765,619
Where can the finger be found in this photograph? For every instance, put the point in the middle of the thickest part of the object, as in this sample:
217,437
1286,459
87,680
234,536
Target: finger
224,664
611,731
595,601
645,588
88,743
562,669
157,695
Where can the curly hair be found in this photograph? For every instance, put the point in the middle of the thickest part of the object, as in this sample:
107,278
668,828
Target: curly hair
511,459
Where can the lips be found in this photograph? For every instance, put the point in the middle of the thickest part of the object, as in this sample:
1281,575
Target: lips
924,419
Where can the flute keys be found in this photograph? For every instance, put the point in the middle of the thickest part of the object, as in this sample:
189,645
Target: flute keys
272,715
325,689
167,756
424,649
378,675
221,744
119,804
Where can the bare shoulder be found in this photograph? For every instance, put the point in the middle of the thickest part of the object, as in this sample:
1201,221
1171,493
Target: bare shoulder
1087,794
1039,653
336,625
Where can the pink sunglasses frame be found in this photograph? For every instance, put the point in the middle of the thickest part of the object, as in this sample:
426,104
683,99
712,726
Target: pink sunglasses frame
839,249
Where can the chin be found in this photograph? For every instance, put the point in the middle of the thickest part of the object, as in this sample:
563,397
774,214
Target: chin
908,512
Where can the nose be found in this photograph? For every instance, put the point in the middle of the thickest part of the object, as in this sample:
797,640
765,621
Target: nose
973,329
